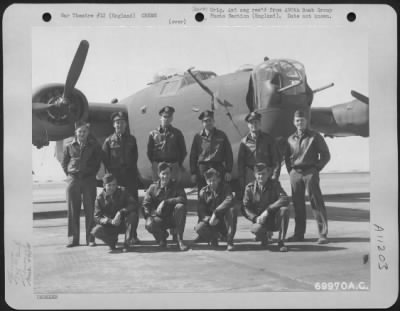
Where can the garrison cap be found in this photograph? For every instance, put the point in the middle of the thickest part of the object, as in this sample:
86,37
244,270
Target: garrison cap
120,115
168,110
81,123
108,178
260,166
208,114
253,116
210,173
163,166
300,114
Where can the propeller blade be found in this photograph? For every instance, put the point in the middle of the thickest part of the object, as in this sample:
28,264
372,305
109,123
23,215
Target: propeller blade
360,97
40,106
76,68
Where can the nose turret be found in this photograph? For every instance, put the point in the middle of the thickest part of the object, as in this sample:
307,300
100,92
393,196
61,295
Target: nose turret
279,88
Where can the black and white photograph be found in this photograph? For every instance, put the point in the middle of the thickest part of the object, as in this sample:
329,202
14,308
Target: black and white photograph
212,155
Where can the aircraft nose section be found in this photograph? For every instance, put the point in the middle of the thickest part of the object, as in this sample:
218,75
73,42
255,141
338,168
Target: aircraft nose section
271,117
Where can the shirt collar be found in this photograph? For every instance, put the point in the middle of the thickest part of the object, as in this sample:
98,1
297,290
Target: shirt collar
166,129
250,136
305,133
76,141
203,132
266,186
217,191
122,135
106,196
167,186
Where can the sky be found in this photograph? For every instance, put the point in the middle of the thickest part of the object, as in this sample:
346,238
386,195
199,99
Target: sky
122,60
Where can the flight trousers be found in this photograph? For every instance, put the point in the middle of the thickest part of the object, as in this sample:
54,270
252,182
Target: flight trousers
128,178
226,226
302,180
175,220
80,190
277,221
109,233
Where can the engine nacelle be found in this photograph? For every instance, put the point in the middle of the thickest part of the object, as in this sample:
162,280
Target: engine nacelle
57,121
352,117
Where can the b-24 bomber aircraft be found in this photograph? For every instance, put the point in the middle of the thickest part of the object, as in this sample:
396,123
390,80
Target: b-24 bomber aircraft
276,88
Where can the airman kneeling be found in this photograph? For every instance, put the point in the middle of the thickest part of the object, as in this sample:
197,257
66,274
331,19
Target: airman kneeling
164,208
115,212
216,211
265,203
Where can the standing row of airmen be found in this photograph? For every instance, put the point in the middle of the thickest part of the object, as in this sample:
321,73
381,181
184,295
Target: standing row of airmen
264,202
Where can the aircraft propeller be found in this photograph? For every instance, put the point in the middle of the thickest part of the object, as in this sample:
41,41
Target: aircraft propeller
72,78
360,97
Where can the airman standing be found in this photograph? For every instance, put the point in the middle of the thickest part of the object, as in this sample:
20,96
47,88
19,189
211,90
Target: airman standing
210,149
120,158
81,161
307,154
166,144
256,147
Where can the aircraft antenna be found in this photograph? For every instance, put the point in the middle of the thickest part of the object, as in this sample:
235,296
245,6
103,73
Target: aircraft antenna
214,98
233,122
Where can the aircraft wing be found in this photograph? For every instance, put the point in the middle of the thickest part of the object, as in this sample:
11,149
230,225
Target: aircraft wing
348,119
100,125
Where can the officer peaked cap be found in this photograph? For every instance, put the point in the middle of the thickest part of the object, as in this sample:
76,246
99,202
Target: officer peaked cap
108,178
206,115
210,173
253,116
163,166
260,166
120,115
79,124
167,110
300,114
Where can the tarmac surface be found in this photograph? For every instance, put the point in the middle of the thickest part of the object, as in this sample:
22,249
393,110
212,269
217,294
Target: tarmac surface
250,268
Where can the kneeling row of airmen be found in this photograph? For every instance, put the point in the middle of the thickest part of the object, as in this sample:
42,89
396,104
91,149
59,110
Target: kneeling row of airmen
265,205
264,201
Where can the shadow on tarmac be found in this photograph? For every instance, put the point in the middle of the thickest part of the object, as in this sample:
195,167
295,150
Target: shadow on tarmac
308,248
348,240
336,213
348,197
240,245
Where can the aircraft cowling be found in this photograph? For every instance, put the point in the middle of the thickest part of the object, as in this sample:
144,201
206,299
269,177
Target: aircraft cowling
348,119
352,117
57,121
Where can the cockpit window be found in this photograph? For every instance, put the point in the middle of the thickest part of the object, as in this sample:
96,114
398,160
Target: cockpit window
201,75
172,85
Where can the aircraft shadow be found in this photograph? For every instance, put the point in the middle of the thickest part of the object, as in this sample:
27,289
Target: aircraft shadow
145,247
348,239
336,213
348,197
307,248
